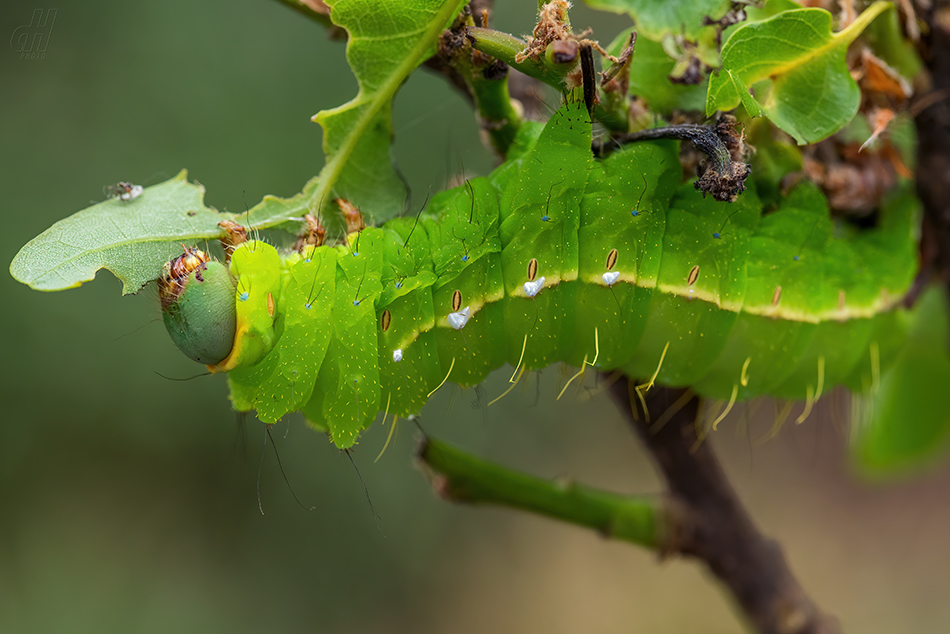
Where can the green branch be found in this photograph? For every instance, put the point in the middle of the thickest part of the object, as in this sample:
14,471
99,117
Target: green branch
507,47
483,78
461,477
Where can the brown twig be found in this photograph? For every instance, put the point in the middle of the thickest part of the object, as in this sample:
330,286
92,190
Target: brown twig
720,532
724,175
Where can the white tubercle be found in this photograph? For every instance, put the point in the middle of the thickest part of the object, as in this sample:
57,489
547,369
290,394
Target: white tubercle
397,355
611,277
459,319
532,288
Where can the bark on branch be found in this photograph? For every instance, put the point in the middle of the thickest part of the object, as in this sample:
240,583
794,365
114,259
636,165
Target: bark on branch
720,532
698,515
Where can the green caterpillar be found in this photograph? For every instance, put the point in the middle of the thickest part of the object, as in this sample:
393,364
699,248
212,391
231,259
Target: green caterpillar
556,256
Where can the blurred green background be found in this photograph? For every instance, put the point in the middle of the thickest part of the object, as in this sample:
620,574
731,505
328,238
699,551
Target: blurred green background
128,502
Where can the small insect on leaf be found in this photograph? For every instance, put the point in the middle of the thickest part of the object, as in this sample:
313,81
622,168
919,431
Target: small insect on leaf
125,191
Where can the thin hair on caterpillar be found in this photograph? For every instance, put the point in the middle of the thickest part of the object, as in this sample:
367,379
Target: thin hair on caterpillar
293,385
247,214
239,445
546,216
636,209
135,330
188,378
414,224
471,191
718,234
260,468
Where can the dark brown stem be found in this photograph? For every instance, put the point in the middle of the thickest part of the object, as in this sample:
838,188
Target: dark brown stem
721,533
725,173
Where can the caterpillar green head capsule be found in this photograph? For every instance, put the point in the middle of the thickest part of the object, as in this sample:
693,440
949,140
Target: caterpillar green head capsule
197,296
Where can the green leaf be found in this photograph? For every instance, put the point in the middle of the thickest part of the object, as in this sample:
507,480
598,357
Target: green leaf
678,26
656,18
812,94
748,101
387,40
133,239
758,14
908,424
774,158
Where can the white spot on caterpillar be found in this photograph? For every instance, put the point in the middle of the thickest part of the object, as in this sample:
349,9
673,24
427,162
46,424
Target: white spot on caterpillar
459,319
532,288
397,355
611,277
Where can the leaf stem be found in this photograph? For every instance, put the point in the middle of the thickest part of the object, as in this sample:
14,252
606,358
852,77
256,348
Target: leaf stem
506,47
485,81
461,477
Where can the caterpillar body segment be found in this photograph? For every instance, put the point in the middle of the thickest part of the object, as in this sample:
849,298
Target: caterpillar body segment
540,217
622,228
640,273
283,381
257,269
462,225
407,268
346,396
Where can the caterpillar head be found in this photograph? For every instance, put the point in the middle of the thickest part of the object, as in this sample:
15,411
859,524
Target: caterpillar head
197,297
